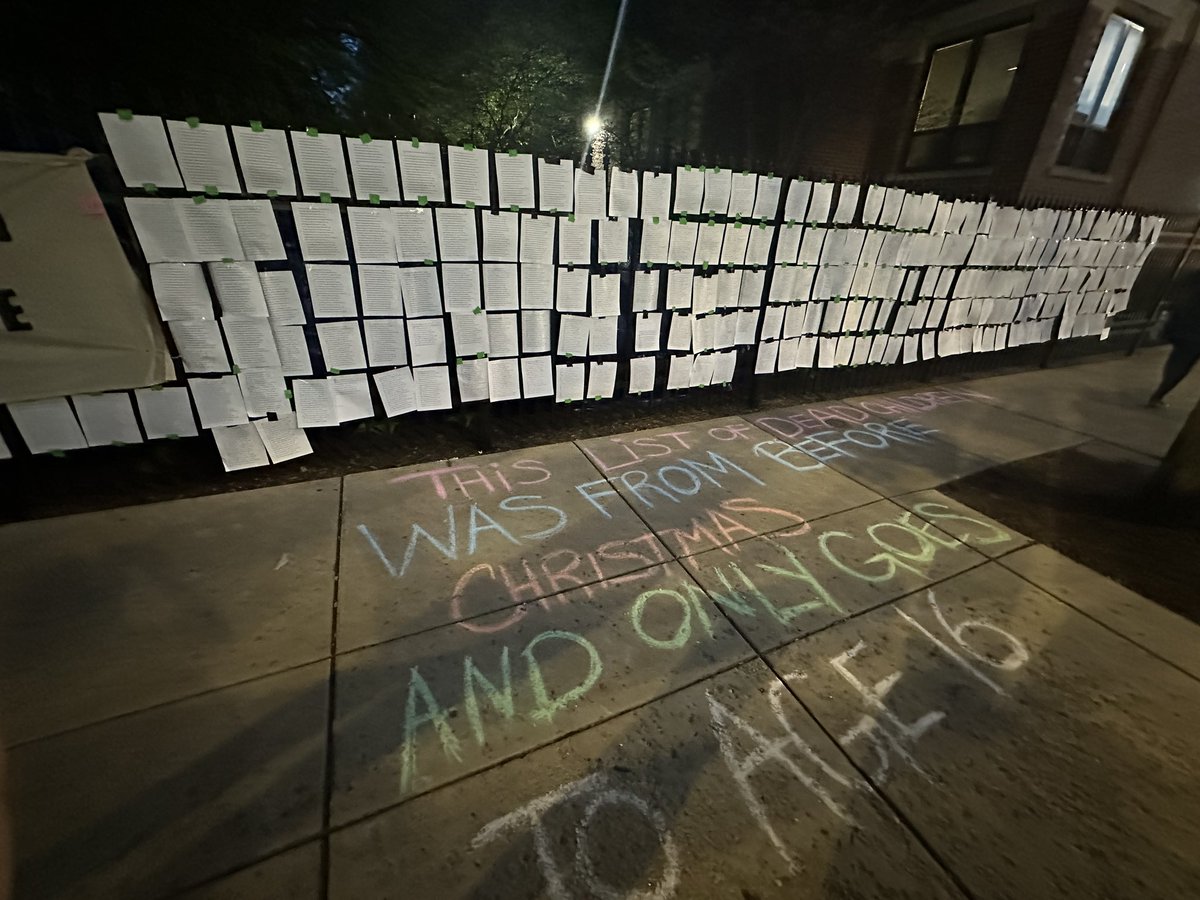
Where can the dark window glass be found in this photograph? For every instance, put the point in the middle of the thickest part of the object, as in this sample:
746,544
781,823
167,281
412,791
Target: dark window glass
965,92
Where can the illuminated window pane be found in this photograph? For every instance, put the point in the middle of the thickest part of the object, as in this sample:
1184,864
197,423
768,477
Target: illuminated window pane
1108,76
942,87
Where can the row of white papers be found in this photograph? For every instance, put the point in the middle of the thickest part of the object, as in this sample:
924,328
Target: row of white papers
717,191
198,229
888,349
407,234
688,242
97,420
261,442
868,316
234,407
404,390
256,342
198,156
890,207
352,344
182,293
94,420
253,343
695,332
871,247
420,234
896,283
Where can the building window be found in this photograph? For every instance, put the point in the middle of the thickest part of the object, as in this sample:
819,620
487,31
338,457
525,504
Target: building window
1092,135
964,97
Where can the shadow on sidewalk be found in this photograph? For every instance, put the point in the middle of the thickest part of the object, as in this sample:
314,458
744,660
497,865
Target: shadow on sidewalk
1092,503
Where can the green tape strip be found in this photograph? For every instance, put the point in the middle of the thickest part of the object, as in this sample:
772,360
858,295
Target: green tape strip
211,190
236,370
514,208
59,453
272,194
226,259
157,387
481,355
150,188
570,217
416,143
422,200
193,121
365,138
654,219
470,204
311,132
512,152
374,198
256,126
288,394
125,115
430,262
335,371
468,146
198,200
477,310
325,198
172,437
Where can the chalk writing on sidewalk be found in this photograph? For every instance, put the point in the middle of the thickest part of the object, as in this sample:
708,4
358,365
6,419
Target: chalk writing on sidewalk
599,793
747,746
890,735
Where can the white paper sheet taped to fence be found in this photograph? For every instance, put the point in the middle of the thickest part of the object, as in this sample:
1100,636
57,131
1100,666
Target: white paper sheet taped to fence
85,323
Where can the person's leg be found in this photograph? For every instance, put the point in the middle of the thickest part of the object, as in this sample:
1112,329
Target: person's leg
1178,364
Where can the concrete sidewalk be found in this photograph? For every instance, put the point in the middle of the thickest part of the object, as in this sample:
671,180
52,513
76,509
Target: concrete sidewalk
751,657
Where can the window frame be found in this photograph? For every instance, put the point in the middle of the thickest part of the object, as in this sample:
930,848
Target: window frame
1078,132
1127,82
975,39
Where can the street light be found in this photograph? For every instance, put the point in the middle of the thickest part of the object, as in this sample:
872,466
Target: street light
592,125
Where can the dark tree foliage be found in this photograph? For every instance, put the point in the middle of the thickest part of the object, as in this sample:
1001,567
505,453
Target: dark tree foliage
735,82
